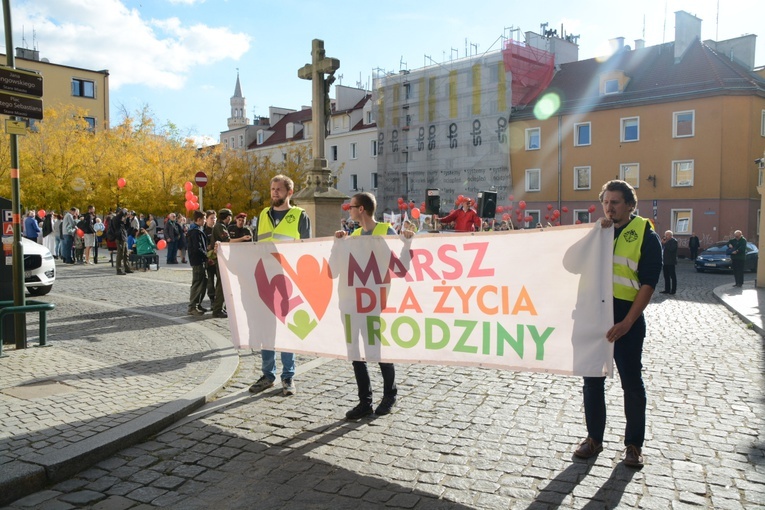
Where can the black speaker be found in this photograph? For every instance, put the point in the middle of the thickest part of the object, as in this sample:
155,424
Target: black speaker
486,204
432,201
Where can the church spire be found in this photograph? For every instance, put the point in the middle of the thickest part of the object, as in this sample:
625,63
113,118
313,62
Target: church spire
238,107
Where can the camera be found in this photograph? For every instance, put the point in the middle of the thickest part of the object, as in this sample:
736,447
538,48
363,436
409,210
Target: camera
760,161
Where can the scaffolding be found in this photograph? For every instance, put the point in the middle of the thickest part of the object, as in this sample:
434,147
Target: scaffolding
532,70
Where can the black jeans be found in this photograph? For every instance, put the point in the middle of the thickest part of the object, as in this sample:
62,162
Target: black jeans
628,351
670,279
738,271
365,385
198,286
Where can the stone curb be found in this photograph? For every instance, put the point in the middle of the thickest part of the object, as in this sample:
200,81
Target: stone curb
34,472
720,295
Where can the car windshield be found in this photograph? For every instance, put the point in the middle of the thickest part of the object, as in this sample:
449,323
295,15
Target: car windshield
718,247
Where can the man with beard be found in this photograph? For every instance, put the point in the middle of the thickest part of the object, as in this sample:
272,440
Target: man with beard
280,222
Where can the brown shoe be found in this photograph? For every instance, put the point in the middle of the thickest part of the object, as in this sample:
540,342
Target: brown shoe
588,448
633,457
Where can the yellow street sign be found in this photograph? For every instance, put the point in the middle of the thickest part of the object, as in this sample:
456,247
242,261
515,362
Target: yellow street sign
15,127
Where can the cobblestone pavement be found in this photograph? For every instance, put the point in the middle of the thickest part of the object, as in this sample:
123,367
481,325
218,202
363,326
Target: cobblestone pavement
459,437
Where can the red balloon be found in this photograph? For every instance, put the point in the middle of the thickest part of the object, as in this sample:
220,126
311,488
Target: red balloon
188,186
422,209
188,195
556,213
228,206
547,216
505,216
415,213
460,198
529,218
522,204
41,213
500,209
161,244
412,205
591,208
194,205
121,182
80,233
511,197
578,222
345,207
549,207
194,198
400,200
564,208
188,205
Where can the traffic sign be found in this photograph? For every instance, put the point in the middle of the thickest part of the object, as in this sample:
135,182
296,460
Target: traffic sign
15,81
201,179
15,127
21,106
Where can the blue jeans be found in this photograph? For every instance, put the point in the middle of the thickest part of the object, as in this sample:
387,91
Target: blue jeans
628,351
172,252
66,248
269,364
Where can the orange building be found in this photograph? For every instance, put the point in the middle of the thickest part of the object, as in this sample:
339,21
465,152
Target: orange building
682,122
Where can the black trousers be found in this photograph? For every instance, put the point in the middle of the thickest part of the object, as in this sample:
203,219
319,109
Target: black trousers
738,271
670,279
365,385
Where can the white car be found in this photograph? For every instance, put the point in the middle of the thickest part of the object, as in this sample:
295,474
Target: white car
39,268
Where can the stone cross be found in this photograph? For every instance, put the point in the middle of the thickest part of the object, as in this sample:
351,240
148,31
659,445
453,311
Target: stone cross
315,71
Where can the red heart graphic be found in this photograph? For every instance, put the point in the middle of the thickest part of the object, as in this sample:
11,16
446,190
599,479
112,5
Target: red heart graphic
314,282
276,293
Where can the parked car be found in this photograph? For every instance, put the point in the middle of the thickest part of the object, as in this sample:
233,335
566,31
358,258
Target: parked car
39,268
715,258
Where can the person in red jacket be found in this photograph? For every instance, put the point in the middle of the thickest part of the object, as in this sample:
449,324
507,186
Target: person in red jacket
465,219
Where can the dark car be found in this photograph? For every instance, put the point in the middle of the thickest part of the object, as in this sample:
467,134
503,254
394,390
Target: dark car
716,258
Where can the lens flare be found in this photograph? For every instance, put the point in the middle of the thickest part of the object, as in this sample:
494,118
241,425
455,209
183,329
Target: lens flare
547,106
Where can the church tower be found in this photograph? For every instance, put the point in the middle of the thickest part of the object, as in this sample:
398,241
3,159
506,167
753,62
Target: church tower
238,108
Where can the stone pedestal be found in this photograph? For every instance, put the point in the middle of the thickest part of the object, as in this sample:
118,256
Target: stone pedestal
321,201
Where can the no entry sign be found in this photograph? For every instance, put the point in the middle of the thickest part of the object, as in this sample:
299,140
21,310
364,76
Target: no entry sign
201,179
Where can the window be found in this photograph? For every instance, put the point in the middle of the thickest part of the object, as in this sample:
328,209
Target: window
682,173
630,172
333,154
582,177
533,139
354,155
762,124
374,180
241,141
630,129
611,87
373,148
83,88
225,143
354,182
533,179
682,221
683,124
581,216
582,134
368,117
91,123
260,137
534,215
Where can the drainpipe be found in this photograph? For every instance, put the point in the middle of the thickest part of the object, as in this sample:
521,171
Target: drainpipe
560,158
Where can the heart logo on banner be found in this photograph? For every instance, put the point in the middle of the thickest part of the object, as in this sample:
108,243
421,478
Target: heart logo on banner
314,282
276,293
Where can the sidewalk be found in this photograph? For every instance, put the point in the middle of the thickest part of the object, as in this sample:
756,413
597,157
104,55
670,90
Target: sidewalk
112,376
119,373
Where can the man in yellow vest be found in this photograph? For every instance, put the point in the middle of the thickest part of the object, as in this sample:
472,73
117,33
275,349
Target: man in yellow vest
637,265
280,222
362,210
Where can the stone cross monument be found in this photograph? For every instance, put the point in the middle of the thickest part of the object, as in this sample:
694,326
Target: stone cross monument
319,198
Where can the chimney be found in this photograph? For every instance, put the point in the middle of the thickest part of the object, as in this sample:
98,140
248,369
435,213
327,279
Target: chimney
617,44
687,30
639,44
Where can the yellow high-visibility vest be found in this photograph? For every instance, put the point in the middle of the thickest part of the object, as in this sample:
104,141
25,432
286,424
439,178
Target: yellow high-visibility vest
627,248
286,230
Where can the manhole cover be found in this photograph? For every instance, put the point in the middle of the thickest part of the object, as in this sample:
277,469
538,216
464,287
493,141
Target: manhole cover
41,389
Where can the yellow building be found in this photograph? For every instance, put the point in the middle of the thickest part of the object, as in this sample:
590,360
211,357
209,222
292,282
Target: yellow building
682,122
66,85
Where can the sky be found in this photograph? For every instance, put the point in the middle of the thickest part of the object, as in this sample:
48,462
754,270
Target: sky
181,57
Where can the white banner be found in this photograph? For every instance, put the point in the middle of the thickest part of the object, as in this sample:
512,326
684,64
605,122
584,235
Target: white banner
537,300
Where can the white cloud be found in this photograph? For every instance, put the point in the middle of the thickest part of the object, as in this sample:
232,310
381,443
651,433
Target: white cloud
104,34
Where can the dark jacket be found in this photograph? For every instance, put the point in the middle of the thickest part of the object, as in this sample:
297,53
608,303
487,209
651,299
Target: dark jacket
120,227
670,252
197,246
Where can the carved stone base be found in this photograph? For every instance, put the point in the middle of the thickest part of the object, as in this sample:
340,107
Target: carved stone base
321,202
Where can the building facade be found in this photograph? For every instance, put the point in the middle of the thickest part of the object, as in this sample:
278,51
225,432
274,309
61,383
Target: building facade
67,85
680,121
